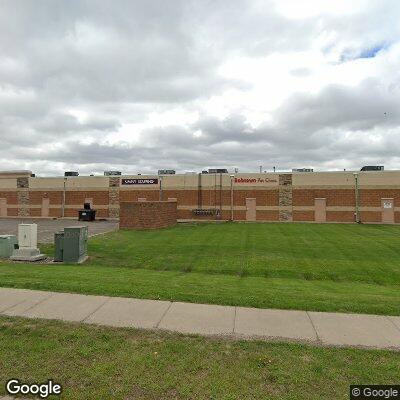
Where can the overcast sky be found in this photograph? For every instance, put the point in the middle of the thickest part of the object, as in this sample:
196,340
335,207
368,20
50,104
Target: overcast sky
139,86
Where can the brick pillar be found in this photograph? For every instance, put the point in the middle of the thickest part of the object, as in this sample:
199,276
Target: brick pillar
23,197
113,197
285,197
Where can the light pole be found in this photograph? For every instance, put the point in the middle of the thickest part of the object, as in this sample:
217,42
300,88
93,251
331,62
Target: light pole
232,177
161,192
357,197
63,199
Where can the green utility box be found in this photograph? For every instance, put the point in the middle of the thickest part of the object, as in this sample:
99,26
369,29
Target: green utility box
7,245
59,246
71,245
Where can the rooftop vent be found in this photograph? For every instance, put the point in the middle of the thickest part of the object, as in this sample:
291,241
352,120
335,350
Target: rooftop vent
112,173
302,170
373,168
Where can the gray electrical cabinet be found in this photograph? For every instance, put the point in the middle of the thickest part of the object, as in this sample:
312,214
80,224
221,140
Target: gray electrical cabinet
71,245
59,247
7,245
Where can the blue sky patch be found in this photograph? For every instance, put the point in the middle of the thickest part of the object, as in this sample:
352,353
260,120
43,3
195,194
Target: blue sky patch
371,52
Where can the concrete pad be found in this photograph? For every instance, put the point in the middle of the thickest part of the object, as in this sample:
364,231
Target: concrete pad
27,254
199,318
274,323
130,313
355,330
396,321
67,307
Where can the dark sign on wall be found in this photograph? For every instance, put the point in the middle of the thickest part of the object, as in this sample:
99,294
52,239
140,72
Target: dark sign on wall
141,181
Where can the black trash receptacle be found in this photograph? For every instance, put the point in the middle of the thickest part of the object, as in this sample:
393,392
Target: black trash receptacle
87,215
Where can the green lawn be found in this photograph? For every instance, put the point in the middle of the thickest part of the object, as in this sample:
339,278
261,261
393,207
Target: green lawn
103,363
323,267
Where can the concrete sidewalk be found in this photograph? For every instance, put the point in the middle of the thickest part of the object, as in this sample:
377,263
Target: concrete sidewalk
333,329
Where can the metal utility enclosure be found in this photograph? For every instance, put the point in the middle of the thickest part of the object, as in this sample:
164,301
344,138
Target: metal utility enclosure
27,235
59,246
7,245
27,241
71,245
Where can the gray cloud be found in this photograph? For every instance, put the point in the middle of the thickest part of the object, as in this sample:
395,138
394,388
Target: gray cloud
121,61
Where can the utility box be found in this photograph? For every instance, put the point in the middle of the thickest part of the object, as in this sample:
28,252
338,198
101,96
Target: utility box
27,235
59,247
75,244
27,244
7,245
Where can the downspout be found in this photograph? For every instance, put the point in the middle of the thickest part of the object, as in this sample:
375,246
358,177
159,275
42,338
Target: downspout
357,197
220,196
161,189
232,177
199,194
63,200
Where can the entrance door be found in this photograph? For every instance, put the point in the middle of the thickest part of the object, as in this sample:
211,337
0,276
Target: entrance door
90,201
387,211
45,206
320,210
250,209
3,207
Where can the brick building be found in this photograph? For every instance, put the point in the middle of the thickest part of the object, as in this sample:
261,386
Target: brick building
297,196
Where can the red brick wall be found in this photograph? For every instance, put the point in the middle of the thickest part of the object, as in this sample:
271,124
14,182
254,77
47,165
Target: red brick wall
147,214
334,197
303,215
10,196
343,199
263,197
371,216
36,197
133,195
12,212
340,216
78,197
266,215
372,197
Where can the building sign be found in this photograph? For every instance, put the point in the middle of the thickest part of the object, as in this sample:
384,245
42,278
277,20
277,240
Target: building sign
255,180
139,181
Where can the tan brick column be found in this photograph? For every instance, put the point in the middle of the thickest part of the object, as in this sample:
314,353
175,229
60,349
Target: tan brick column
23,197
285,197
113,197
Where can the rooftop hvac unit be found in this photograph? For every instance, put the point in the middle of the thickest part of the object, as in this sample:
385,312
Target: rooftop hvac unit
373,168
217,171
112,173
302,170
71,173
